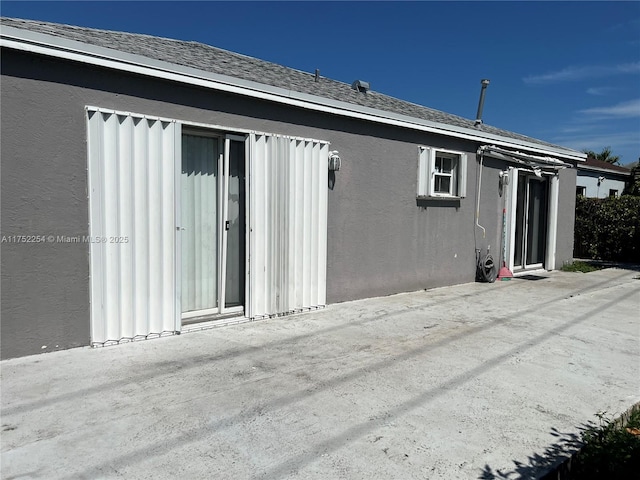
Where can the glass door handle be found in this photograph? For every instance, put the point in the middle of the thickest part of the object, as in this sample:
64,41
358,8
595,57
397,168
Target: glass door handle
227,225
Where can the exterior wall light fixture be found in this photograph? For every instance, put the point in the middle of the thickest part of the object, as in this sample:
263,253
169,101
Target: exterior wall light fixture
334,161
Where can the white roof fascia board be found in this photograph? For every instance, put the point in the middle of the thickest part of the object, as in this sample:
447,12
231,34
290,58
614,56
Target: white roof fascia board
51,45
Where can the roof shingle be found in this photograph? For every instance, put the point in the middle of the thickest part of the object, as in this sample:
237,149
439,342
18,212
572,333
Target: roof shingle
215,60
601,165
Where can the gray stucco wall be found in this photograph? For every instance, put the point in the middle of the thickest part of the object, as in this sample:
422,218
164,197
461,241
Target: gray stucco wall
381,240
566,217
44,285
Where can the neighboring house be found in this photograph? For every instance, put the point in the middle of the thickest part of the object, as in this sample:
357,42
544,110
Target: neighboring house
598,179
151,186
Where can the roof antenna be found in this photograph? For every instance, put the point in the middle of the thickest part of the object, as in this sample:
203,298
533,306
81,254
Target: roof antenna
484,82
317,75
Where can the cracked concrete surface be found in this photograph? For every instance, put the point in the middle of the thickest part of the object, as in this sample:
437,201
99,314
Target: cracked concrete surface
470,381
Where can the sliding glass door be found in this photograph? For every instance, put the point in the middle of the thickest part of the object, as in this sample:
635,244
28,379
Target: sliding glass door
234,231
531,222
213,234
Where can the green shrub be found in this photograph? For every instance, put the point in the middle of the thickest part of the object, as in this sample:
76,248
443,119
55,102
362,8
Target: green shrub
608,229
610,450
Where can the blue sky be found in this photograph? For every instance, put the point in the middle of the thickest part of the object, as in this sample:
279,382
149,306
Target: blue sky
565,72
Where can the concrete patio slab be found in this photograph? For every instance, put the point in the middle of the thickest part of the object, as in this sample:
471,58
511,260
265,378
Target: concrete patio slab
471,381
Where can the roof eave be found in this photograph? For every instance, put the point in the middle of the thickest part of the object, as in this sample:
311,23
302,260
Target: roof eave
34,42
605,170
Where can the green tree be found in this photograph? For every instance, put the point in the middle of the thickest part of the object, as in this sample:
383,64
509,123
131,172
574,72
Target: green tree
604,156
633,187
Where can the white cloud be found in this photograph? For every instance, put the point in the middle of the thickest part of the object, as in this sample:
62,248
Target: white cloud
628,109
578,129
628,68
588,141
573,73
631,25
600,90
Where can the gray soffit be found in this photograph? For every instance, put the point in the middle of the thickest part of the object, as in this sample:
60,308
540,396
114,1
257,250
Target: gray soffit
258,75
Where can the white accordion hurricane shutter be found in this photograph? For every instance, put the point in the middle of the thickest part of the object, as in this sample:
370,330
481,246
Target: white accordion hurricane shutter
288,222
131,164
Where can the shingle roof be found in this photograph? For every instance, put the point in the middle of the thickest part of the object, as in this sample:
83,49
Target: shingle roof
215,60
593,163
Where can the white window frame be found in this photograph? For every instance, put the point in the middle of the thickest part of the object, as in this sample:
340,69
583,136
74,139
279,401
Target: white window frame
428,172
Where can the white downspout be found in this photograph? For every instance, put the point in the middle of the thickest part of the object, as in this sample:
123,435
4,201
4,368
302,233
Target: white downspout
511,227
484,232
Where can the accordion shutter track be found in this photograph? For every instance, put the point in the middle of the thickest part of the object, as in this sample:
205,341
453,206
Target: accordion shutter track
131,164
288,221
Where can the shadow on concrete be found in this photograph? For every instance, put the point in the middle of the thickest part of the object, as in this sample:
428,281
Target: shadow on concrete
360,430
158,369
164,368
543,465
349,435
565,460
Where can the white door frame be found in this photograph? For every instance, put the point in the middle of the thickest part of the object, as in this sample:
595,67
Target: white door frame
223,206
552,219
223,219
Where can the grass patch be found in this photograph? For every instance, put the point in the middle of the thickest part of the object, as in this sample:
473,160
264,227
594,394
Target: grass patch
579,266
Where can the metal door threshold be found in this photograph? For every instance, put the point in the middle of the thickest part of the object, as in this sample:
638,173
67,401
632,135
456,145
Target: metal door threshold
211,321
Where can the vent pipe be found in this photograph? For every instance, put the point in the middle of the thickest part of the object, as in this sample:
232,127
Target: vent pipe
484,82
317,75
360,86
